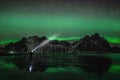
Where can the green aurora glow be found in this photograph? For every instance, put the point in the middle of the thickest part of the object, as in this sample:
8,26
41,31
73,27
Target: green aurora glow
67,26
70,20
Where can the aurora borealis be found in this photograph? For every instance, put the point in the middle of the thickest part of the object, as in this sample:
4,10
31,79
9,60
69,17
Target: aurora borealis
72,19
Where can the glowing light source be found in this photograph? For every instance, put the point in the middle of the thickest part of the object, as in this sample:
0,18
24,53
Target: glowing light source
11,52
30,68
45,42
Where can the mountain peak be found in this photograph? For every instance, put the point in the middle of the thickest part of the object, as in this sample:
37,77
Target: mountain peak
43,38
93,43
86,37
96,36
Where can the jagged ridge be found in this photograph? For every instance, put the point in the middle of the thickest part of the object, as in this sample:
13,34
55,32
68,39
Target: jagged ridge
93,43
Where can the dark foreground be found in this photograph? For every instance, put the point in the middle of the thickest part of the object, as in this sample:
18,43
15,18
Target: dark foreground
60,67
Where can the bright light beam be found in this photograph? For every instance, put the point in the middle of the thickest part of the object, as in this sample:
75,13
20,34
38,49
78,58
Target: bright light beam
45,42
30,68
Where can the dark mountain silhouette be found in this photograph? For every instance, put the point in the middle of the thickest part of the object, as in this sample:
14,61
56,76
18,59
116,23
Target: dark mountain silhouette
25,44
93,43
28,44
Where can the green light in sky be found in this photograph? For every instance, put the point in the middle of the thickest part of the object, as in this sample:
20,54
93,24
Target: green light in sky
71,27
6,41
113,40
67,38
59,23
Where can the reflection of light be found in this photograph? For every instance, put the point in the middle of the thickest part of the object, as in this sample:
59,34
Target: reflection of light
45,42
11,52
30,68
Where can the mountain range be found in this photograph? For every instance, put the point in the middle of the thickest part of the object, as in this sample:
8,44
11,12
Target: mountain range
94,43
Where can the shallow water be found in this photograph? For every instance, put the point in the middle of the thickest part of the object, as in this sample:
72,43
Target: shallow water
58,66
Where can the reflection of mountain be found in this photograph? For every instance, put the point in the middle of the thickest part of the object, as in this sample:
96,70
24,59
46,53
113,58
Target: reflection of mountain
95,64
92,43
1,49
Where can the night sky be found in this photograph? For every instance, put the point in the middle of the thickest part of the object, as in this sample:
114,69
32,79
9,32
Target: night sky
72,19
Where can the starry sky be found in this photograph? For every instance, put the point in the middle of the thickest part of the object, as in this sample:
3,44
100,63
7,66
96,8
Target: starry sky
72,19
